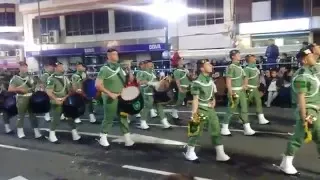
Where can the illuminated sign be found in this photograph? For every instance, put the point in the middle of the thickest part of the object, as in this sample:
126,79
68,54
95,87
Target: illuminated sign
285,25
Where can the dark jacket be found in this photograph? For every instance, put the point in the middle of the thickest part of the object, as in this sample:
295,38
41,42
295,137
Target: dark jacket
272,52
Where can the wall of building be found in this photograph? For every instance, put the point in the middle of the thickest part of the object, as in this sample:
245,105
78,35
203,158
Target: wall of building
200,37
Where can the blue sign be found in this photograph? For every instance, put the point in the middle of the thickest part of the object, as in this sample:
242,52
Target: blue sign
98,50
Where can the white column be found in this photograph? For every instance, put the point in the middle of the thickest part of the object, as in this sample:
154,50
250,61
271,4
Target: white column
112,24
63,30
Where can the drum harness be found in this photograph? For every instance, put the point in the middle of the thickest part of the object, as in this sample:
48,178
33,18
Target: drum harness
26,81
64,82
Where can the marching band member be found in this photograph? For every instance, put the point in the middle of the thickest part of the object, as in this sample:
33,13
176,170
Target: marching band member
153,113
110,81
147,81
181,77
48,71
58,88
203,112
24,85
305,86
236,82
253,75
77,81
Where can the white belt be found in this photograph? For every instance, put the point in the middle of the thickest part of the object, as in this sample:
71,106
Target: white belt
205,104
149,94
184,85
24,95
251,86
236,88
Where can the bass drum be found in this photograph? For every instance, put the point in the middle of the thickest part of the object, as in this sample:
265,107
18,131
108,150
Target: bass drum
74,106
89,89
131,100
40,102
162,93
10,104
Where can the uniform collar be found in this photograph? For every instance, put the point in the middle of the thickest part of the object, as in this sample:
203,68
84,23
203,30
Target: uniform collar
57,74
23,75
236,63
79,72
204,78
113,66
149,70
252,65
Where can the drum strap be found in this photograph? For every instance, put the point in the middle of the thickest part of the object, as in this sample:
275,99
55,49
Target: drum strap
124,82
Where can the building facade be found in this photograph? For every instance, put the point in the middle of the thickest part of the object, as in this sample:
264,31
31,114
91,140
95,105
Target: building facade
82,30
11,35
288,22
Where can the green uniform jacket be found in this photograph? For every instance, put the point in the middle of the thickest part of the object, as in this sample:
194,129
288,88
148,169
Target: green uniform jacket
113,77
306,82
147,75
237,75
77,79
25,81
253,74
181,74
44,77
205,88
60,85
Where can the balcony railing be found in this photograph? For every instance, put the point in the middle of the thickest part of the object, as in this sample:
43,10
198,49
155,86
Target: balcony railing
29,1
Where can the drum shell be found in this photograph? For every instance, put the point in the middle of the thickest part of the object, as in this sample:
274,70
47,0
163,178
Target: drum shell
131,107
10,104
89,89
161,94
74,106
40,102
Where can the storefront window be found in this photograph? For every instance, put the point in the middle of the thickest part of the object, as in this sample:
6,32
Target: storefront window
280,40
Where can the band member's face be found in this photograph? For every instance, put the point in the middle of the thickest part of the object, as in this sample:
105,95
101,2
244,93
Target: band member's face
149,65
310,59
180,63
49,68
81,68
252,59
113,56
23,68
207,68
142,66
59,68
236,57
316,49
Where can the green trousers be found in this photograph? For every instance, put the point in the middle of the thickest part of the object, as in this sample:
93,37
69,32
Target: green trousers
148,105
56,111
24,108
297,139
254,96
111,112
214,127
181,97
241,102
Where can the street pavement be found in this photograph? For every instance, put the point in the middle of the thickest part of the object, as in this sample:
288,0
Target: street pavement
157,153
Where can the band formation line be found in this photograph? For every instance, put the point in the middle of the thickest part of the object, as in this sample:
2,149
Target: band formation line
125,94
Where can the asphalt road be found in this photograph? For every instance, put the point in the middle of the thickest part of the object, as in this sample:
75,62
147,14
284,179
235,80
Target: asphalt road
157,153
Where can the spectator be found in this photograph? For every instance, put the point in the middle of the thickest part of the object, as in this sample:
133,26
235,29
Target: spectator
272,88
272,54
284,83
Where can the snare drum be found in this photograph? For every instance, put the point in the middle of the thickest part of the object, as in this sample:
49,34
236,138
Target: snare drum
131,100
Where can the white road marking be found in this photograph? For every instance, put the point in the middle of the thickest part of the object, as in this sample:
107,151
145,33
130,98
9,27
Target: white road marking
18,178
135,137
151,140
13,147
154,171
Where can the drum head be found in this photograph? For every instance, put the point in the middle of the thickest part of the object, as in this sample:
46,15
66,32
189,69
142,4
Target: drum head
130,93
74,106
40,102
89,88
